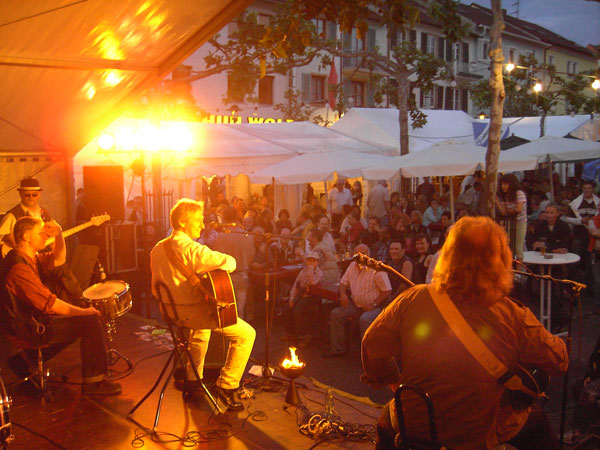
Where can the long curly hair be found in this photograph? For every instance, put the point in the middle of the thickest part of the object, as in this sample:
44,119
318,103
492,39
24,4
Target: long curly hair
513,186
475,262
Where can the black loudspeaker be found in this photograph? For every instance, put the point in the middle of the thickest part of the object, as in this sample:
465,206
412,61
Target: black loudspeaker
103,187
216,353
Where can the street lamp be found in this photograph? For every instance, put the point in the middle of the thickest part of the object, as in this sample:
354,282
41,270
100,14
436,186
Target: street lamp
537,87
510,67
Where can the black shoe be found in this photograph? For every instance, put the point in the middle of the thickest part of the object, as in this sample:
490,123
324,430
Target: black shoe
103,387
227,396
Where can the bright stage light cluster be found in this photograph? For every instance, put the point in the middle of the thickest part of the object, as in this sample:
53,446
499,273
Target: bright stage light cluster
166,136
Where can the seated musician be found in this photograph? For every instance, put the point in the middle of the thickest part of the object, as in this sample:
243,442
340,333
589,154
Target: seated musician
187,221
369,290
470,406
64,323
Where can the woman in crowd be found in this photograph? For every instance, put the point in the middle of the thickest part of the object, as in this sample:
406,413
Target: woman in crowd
512,202
284,220
357,194
266,221
423,260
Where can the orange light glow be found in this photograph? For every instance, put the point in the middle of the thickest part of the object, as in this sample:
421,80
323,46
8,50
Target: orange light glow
294,362
147,135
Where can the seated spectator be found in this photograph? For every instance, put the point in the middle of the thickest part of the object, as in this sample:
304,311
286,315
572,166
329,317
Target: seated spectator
248,221
284,220
371,234
399,226
323,224
344,225
240,207
423,259
380,250
433,215
551,233
363,292
355,228
327,261
594,249
266,221
416,223
404,206
296,315
402,263
305,224
282,250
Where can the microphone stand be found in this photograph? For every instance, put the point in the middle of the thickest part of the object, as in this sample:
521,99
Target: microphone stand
576,289
266,381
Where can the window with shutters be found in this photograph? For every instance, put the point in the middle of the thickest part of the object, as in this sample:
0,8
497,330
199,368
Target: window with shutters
431,40
317,89
357,93
265,90
486,50
550,60
427,100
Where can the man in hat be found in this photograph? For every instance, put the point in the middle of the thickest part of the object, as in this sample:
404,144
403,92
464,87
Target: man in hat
60,280
30,192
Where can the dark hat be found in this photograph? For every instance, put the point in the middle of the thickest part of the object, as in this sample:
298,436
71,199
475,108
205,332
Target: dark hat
30,184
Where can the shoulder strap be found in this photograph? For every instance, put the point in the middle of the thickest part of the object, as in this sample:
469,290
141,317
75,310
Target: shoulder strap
185,270
473,342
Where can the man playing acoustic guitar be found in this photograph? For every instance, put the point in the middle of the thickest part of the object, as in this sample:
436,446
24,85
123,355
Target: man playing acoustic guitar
426,327
172,261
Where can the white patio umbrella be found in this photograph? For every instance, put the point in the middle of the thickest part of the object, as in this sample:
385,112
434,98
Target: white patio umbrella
558,149
447,158
313,167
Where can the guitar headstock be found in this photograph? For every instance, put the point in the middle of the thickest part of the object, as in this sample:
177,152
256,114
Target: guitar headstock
364,260
99,220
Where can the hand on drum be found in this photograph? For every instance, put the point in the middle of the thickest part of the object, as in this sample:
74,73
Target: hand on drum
91,311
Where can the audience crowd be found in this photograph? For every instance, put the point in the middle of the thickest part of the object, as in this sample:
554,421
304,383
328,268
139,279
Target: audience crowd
403,231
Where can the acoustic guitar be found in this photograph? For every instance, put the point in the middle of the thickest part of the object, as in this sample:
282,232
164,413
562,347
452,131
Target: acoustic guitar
220,294
94,221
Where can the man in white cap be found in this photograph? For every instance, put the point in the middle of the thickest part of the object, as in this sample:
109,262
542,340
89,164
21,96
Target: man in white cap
29,191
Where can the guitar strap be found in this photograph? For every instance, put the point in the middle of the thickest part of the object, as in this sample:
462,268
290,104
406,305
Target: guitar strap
473,343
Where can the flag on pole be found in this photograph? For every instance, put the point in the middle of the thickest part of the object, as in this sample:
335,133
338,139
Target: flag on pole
333,79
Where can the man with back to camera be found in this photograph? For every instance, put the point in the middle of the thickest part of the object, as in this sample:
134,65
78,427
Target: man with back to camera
187,221
472,410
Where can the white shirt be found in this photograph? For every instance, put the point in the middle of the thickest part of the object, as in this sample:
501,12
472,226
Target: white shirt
338,199
365,285
376,201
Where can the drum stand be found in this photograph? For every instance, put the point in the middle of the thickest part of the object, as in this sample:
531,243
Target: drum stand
113,354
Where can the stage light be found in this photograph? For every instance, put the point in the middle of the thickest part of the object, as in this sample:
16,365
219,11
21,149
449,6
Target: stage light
126,139
106,141
149,138
537,87
177,136
510,67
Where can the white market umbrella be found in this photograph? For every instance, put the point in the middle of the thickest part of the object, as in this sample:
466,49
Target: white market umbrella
558,149
447,158
313,167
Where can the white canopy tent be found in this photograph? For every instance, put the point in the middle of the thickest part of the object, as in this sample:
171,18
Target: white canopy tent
558,149
529,127
313,167
589,130
381,126
446,159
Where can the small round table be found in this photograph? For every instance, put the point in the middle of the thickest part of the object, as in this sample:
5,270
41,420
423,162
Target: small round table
534,257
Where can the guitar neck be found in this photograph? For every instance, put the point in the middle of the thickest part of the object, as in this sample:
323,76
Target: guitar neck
71,231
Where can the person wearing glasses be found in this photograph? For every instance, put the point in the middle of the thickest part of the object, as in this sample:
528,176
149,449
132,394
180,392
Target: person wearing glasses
30,192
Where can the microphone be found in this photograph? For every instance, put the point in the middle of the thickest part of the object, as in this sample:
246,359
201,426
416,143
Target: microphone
101,272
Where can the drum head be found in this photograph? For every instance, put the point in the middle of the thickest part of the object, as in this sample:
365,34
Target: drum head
105,290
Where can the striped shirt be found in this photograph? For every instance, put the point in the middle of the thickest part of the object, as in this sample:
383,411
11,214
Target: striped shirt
365,285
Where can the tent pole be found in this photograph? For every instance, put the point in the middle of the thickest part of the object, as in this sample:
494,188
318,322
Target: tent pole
326,198
551,181
452,198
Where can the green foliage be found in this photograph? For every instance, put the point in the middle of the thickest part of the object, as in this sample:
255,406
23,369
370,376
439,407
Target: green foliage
521,100
294,108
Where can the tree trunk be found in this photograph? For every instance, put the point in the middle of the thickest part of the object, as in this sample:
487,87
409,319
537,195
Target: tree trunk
403,86
498,94
543,124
